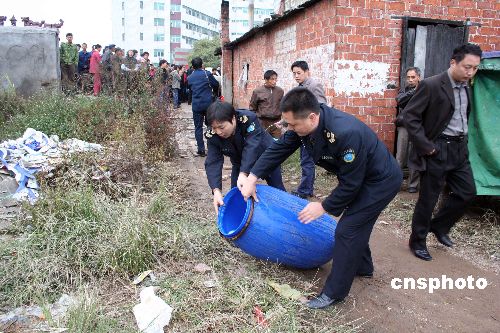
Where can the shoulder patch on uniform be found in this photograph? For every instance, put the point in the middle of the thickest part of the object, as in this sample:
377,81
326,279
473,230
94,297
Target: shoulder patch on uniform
251,127
210,133
348,155
243,119
329,136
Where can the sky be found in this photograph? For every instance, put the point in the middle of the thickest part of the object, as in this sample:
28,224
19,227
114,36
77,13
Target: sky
88,20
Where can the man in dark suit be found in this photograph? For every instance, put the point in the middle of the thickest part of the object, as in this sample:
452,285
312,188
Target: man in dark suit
436,120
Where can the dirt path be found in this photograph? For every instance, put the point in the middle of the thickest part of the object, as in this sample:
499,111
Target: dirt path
372,302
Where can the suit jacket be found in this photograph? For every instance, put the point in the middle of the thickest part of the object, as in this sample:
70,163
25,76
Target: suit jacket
316,88
202,83
427,115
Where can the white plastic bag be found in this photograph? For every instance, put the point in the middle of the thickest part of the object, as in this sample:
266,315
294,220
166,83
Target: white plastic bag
152,314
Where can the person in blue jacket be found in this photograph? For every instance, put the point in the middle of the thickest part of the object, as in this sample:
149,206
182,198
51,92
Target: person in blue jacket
202,85
238,135
369,178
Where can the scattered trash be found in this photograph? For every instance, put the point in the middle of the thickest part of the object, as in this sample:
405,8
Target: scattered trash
225,177
285,291
259,316
141,277
210,283
202,268
384,222
152,314
26,317
35,152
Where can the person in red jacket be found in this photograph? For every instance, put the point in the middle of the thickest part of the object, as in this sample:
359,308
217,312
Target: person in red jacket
95,68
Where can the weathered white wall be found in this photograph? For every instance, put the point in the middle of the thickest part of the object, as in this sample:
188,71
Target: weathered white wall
364,78
29,59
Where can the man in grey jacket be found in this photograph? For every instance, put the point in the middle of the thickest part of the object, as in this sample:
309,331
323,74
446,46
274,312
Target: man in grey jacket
300,70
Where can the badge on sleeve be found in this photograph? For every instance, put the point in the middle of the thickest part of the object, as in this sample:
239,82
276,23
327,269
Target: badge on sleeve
330,137
251,128
348,156
210,133
243,119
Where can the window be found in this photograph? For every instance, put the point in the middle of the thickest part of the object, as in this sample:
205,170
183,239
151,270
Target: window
123,5
141,36
175,23
141,51
123,21
159,22
123,37
158,52
175,39
141,20
159,37
141,4
175,8
159,6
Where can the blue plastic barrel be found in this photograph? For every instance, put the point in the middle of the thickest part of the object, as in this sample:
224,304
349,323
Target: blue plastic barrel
270,229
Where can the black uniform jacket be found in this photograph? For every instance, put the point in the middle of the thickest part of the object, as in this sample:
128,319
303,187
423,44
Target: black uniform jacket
249,141
347,147
427,114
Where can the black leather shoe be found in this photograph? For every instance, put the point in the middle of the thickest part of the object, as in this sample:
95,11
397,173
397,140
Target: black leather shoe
322,301
201,153
412,190
422,254
300,195
365,275
444,239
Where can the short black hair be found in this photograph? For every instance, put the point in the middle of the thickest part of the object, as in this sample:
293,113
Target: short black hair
78,45
143,53
69,34
197,63
301,64
162,61
269,73
301,102
220,111
415,69
460,52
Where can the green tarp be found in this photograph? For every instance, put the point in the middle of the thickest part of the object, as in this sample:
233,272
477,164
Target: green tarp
484,128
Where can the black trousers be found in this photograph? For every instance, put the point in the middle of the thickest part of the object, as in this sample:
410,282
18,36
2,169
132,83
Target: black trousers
351,253
451,166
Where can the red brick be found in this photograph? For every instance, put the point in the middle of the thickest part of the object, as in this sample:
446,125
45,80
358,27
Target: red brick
431,2
360,101
376,22
478,39
474,13
379,49
467,4
485,4
377,119
384,32
362,30
374,40
417,8
355,56
358,21
363,12
489,14
344,11
377,5
437,10
456,12
488,31
360,48
396,6
343,48
343,29
356,39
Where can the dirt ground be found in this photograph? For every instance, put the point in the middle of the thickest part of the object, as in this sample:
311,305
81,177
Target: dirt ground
372,303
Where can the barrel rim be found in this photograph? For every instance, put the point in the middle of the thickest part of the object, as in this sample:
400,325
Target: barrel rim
236,233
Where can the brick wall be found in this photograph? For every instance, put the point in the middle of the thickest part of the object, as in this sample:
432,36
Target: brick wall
354,48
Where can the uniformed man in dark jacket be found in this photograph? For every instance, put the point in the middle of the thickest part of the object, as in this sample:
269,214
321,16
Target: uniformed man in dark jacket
238,135
369,178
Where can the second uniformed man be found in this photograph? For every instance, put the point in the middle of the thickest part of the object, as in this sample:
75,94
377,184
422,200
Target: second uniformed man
369,178
238,135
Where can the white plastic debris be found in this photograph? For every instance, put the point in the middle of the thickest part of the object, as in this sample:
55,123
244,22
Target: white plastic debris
152,314
34,152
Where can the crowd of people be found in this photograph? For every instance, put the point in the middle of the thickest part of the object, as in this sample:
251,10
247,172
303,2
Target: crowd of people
116,71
